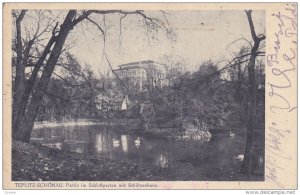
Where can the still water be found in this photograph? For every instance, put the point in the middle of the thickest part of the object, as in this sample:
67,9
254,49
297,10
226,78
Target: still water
216,159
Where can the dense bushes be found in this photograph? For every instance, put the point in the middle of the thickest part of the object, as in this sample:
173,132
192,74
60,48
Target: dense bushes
207,96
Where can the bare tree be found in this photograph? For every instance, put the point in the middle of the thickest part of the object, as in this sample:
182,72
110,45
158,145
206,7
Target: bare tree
20,67
25,93
252,103
27,105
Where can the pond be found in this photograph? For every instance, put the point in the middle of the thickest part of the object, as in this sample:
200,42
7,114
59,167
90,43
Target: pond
217,159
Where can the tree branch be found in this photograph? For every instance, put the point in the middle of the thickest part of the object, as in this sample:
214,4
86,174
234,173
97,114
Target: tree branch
252,29
72,85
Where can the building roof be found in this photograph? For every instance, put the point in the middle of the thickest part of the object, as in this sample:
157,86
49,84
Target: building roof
138,62
135,65
132,67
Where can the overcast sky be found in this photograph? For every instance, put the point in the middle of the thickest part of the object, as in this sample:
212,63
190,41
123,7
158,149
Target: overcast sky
200,35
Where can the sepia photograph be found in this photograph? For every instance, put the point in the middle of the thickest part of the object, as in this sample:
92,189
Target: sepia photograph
123,94
138,95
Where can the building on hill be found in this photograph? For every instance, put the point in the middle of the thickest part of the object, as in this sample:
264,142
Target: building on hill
143,74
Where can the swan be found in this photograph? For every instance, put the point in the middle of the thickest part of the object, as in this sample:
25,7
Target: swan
137,142
240,157
232,135
116,143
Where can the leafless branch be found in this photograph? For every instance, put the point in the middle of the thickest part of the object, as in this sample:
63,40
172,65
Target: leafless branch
67,47
120,27
114,71
240,39
69,83
97,25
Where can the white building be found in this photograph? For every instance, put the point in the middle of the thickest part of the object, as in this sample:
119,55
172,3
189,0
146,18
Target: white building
144,74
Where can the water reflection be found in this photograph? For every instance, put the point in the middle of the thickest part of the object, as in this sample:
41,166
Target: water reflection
220,152
162,161
99,143
124,141
260,164
261,160
55,145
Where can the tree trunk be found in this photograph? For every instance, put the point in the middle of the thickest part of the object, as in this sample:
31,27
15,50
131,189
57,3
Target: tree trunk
20,113
251,122
251,119
25,126
20,69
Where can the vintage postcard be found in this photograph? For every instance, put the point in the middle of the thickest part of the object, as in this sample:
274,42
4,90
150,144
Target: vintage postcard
150,96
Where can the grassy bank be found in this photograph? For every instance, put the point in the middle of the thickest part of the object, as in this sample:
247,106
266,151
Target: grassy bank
31,162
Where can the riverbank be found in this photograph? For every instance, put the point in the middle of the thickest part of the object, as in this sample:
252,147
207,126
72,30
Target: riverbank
33,162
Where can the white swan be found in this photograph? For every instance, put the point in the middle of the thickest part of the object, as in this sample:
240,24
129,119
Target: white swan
232,135
116,143
137,142
240,157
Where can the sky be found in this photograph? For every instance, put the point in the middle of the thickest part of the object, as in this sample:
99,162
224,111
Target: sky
200,36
